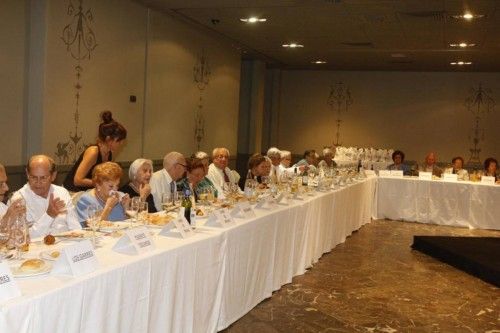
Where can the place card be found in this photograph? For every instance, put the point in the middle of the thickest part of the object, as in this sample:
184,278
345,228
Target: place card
181,225
422,175
220,218
488,180
135,241
266,203
384,173
76,259
450,177
282,199
297,196
8,286
397,173
243,209
370,173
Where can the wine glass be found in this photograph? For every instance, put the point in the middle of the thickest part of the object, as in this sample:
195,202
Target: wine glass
143,212
178,197
132,209
93,219
166,201
20,236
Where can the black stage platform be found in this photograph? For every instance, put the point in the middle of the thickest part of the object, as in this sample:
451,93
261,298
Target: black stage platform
479,256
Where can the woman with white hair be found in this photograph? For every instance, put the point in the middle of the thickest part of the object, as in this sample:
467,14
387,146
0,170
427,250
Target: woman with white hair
139,173
328,156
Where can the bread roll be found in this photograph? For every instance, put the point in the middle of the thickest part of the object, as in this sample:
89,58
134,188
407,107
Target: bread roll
32,265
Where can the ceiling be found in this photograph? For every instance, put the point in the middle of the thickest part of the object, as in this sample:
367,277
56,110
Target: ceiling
399,35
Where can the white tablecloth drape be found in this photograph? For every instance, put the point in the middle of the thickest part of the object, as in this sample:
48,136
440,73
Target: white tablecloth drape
463,204
201,284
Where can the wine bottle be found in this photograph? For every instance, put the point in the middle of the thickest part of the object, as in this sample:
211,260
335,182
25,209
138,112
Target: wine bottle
187,204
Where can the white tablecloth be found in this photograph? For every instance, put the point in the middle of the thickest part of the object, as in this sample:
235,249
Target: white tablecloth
463,204
368,165
201,284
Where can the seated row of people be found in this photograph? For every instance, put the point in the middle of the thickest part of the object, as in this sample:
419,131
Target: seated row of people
430,165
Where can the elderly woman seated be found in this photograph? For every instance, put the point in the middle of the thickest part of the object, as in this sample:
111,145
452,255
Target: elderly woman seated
398,158
259,167
490,168
104,196
139,174
194,180
328,156
458,168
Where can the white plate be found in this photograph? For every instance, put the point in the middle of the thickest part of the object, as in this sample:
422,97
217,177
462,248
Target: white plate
46,255
17,273
116,226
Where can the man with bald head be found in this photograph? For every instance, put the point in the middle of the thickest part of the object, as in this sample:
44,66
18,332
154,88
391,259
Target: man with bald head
164,180
49,208
429,165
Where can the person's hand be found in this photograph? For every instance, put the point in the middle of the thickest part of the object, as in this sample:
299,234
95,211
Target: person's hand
112,200
125,200
56,206
144,191
15,209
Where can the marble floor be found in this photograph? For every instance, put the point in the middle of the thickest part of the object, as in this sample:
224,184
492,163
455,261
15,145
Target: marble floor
374,282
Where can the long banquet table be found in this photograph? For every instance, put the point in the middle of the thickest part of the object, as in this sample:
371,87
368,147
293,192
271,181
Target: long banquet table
200,284
462,204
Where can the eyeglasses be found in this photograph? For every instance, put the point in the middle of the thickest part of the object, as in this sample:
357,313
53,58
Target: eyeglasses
185,166
39,179
220,157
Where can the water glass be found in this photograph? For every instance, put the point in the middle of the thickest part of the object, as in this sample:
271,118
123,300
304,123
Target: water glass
93,219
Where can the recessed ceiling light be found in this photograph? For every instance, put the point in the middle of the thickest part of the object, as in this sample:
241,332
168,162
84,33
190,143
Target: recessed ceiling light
461,63
292,45
253,19
318,62
467,16
462,45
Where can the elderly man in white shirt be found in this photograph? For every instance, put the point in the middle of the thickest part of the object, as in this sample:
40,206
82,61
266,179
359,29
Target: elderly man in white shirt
164,180
49,208
275,155
218,171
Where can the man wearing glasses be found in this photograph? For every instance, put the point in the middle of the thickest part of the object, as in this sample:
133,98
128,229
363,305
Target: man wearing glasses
218,171
164,180
49,208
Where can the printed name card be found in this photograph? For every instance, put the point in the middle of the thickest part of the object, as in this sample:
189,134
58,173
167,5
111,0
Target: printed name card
282,199
243,210
135,241
297,196
180,224
370,173
266,203
220,218
8,287
384,173
397,173
489,180
76,259
450,177
424,175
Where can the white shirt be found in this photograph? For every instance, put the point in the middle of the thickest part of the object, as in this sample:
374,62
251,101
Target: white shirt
160,183
36,211
3,209
216,176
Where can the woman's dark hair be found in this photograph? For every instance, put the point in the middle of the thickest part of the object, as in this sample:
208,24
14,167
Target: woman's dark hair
488,161
194,163
458,158
309,152
400,153
255,160
111,128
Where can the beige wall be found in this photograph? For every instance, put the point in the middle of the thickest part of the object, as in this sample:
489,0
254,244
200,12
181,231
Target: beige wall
415,112
119,67
12,58
173,95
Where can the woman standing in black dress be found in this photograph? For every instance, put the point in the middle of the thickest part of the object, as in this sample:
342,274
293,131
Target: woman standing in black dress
110,137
